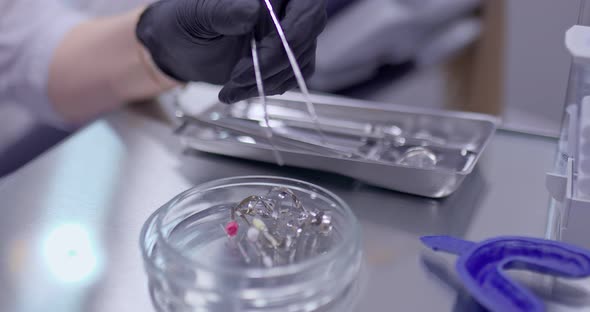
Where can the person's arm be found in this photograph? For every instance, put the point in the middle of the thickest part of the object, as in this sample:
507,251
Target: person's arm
70,69
100,65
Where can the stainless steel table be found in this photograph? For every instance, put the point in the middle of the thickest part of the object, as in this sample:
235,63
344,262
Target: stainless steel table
71,219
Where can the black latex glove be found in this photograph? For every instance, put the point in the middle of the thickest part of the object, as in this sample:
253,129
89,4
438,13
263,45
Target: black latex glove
209,40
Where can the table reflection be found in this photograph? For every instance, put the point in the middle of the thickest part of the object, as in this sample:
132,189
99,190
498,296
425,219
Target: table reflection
70,254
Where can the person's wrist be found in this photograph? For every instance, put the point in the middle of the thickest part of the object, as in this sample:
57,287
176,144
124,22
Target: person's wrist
158,77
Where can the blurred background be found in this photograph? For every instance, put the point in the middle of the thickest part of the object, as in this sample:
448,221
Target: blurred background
502,57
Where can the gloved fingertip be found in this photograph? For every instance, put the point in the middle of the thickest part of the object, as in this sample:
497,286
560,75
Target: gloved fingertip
275,92
231,95
224,96
283,88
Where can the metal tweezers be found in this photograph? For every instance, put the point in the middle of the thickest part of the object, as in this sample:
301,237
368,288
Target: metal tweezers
300,81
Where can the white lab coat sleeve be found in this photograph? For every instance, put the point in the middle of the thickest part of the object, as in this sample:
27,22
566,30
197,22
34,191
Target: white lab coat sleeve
30,32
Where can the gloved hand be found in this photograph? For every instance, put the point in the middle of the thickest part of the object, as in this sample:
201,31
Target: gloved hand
209,41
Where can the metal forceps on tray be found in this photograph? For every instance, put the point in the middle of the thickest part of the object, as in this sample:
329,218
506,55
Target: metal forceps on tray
300,81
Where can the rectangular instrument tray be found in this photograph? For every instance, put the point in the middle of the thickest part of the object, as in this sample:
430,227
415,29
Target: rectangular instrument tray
456,138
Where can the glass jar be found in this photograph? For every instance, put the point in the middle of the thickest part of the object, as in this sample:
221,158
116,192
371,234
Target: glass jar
190,267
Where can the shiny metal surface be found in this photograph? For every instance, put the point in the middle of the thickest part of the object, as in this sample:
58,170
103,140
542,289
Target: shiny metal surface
70,220
359,139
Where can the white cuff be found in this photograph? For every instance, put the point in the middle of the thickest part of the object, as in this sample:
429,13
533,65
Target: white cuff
35,54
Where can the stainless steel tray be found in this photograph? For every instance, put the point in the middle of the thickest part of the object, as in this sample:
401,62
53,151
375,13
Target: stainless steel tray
366,141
